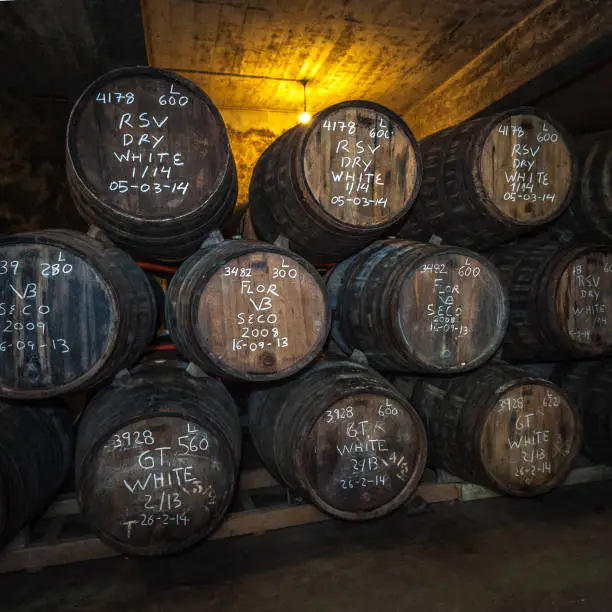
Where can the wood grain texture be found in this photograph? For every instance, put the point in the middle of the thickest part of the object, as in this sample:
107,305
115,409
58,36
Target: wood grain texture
73,312
492,179
31,474
559,299
340,436
335,186
248,310
589,384
360,165
499,427
149,161
157,459
416,307
589,215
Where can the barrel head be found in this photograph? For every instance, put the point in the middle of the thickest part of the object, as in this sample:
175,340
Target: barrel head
525,169
451,310
529,438
583,301
364,456
157,485
361,164
58,318
147,144
261,315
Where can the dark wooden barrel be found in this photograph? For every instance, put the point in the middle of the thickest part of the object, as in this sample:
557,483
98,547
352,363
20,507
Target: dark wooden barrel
589,215
157,459
488,180
247,310
499,427
149,161
560,297
36,445
338,184
416,307
73,312
342,437
589,385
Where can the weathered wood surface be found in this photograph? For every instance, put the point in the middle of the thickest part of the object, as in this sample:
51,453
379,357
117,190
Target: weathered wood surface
335,186
157,459
248,310
36,446
489,180
499,427
589,215
149,161
417,307
73,312
589,384
560,296
340,436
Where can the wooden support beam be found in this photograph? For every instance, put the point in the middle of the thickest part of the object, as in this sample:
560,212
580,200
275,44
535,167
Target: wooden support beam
548,36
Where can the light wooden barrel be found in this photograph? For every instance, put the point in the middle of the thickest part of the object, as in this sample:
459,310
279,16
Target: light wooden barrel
73,312
336,185
247,310
488,180
560,297
342,437
417,307
157,459
149,161
36,446
499,427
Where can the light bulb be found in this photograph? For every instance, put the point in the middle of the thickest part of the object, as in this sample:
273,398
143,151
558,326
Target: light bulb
305,117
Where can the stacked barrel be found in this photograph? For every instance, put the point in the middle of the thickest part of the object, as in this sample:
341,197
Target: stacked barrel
389,304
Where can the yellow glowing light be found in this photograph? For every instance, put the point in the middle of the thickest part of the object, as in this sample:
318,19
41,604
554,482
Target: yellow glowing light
305,117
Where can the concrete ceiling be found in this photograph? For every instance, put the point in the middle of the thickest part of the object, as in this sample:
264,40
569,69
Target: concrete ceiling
393,52
435,62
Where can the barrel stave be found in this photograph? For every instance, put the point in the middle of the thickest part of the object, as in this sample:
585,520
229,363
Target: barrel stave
305,432
154,202
36,445
500,427
136,430
94,313
417,307
248,310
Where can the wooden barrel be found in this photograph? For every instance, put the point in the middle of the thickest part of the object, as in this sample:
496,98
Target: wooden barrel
416,307
342,437
589,385
560,297
157,459
73,312
338,184
499,427
149,161
247,310
491,179
36,445
589,215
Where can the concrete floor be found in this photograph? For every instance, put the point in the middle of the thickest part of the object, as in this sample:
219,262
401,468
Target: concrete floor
550,554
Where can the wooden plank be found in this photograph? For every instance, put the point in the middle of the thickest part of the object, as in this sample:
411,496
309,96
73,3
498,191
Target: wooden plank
268,519
551,33
62,553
